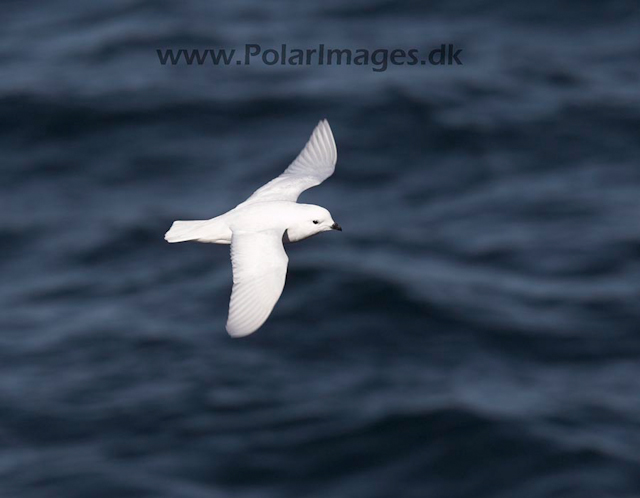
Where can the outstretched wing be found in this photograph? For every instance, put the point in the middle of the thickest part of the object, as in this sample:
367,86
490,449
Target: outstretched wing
314,164
259,270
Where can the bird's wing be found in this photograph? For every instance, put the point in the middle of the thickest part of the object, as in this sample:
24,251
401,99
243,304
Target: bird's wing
259,270
314,164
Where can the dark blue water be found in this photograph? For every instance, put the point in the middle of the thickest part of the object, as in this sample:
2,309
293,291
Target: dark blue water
473,332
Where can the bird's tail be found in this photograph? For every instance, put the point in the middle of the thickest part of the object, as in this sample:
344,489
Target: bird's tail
181,231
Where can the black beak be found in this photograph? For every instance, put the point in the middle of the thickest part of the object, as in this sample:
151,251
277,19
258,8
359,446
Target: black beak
335,226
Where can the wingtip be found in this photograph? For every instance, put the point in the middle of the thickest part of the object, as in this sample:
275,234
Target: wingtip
239,333
324,128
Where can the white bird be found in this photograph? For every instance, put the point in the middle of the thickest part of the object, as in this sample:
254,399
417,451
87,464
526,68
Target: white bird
258,227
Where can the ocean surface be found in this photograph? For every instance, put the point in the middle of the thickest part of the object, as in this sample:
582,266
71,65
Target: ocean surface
473,332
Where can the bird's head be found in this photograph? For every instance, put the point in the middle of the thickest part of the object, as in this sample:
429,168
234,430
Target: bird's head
313,220
321,220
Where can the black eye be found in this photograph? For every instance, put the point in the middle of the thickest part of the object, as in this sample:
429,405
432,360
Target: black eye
315,222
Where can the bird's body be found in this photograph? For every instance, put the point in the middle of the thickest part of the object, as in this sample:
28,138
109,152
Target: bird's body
257,228
290,217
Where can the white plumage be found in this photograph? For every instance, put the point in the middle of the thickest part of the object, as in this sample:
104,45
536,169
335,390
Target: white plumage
257,228
315,163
